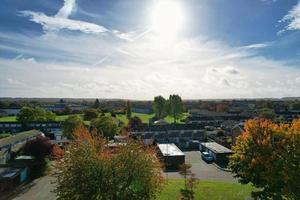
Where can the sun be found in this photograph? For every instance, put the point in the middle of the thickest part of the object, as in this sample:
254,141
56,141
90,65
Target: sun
167,18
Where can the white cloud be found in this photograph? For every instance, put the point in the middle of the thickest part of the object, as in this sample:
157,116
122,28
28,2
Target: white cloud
61,21
292,19
66,10
193,68
257,46
231,70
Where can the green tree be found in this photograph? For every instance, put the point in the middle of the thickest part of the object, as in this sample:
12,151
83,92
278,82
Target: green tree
175,106
160,107
128,110
26,115
91,170
268,156
90,114
105,126
29,114
96,104
134,123
267,113
70,124
50,116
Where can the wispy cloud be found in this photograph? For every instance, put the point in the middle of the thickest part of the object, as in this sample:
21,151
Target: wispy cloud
61,20
292,19
194,68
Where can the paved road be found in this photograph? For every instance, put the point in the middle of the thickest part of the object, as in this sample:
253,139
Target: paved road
39,189
202,169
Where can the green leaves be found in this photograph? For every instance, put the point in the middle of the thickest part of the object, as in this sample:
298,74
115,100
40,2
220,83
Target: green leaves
30,114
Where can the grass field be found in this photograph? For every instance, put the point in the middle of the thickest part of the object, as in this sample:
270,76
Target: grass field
212,190
144,117
8,119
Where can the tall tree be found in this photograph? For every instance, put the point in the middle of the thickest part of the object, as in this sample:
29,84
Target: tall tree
90,114
96,104
159,107
175,106
268,156
134,123
106,126
128,110
70,124
127,172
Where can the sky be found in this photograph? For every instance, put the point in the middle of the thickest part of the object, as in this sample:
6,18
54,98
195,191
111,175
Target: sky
135,49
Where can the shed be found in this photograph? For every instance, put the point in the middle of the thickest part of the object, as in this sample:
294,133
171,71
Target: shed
219,152
171,155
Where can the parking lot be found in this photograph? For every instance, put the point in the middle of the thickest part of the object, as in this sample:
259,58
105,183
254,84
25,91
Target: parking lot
202,169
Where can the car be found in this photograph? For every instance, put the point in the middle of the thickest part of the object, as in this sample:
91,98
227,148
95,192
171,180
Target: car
207,157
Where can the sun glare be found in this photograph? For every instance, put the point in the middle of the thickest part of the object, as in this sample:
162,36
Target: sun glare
167,18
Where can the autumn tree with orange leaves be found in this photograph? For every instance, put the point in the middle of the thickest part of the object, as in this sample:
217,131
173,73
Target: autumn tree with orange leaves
268,156
91,169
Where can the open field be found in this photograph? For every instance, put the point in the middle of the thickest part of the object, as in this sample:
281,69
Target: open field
146,117
212,190
8,119
122,117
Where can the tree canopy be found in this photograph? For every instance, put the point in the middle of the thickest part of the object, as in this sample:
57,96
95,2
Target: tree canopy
30,114
128,110
90,114
70,124
91,170
175,106
105,126
267,113
268,156
160,107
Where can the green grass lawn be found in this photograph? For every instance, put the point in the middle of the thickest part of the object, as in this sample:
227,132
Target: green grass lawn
122,117
146,117
14,118
212,190
8,119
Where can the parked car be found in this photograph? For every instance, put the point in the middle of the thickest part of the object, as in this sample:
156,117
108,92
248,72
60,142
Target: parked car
207,157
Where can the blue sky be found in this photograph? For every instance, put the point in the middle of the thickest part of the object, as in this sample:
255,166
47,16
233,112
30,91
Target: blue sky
138,49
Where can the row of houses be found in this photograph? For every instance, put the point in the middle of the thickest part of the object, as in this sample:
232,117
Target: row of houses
183,135
46,127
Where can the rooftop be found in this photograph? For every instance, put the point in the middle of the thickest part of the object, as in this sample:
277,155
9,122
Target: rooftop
215,147
18,137
170,150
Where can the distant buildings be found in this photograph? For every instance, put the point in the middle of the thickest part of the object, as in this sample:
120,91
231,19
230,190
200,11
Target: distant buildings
182,135
46,127
9,111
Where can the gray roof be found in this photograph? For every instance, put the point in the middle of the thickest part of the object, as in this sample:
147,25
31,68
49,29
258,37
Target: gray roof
215,147
170,150
19,137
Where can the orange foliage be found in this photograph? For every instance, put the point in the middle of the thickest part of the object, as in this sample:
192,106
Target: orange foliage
267,154
57,152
